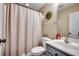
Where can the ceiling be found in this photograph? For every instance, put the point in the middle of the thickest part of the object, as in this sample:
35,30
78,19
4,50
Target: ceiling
35,6
63,6
39,6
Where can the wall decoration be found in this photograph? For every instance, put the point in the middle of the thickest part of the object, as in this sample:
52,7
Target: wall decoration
48,15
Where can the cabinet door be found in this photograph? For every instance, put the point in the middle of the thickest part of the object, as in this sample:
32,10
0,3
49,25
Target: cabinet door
48,54
53,51
50,49
59,54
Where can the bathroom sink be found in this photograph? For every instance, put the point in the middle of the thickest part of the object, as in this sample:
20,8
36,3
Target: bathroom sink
75,44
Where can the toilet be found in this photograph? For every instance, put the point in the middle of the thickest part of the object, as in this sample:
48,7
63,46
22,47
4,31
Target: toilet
37,51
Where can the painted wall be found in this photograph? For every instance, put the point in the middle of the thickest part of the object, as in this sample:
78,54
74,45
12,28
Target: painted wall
50,26
63,18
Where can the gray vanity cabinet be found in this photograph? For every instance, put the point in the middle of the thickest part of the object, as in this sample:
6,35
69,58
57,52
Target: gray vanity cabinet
51,51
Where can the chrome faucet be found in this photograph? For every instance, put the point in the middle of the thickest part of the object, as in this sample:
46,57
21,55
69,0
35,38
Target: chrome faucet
66,40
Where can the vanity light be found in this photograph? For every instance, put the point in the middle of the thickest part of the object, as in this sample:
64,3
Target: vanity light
27,4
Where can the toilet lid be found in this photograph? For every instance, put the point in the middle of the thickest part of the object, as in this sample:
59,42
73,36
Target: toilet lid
38,49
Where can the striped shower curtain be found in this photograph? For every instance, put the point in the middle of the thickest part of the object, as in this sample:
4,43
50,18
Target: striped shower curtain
23,29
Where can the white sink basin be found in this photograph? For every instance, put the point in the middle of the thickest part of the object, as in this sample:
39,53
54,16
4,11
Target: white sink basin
75,44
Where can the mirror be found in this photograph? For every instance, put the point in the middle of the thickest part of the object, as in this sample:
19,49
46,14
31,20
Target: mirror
68,19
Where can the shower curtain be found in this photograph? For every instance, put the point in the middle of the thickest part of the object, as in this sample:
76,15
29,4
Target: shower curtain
23,29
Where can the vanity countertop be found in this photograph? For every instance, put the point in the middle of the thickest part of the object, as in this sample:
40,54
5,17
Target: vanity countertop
65,47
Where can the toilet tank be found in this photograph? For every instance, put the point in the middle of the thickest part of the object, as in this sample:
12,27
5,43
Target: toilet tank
43,41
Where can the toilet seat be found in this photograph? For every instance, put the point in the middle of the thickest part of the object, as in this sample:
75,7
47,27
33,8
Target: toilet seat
38,50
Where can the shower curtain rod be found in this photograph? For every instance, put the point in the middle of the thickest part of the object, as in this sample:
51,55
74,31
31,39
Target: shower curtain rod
26,6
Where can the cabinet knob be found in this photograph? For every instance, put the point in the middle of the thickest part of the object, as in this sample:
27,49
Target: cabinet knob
56,54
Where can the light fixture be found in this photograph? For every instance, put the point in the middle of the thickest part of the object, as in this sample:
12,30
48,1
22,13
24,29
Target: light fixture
56,4
27,4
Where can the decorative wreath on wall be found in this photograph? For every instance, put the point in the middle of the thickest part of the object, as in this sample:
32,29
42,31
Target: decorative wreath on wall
48,15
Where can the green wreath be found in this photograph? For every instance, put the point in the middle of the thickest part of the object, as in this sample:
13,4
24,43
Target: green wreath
48,15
